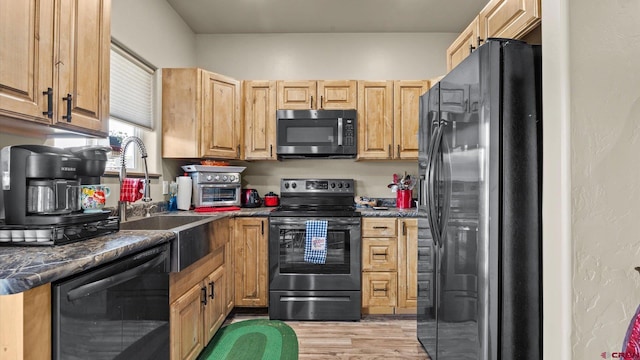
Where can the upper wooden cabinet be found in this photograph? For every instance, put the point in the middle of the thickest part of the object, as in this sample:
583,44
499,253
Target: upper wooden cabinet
200,115
388,115
322,94
513,19
509,18
259,120
461,47
54,63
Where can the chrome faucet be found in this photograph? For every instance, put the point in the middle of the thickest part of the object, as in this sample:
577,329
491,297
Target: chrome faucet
122,205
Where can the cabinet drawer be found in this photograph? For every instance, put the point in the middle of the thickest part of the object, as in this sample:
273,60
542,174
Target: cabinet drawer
379,227
379,254
379,289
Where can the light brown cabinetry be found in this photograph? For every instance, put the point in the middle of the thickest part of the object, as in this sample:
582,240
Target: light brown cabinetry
388,114
462,46
389,265
379,265
201,114
407,266
251,262
54,64
198,306
321,94
25,329
259,120
513,19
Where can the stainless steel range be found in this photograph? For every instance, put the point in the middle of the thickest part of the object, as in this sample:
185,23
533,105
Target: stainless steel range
300,287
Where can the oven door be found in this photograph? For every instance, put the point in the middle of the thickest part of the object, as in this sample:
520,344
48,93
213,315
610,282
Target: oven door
289,271
217,195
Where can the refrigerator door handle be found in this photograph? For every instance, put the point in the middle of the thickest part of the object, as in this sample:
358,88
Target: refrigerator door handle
446,170
431,186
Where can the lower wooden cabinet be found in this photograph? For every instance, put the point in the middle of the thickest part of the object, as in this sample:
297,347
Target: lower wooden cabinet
389,266
251,237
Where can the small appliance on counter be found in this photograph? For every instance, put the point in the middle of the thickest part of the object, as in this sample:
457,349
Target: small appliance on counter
271,199
40,196
215,186
251,198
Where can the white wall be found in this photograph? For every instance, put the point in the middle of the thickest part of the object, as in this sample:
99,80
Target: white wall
598,144
153,30
360,56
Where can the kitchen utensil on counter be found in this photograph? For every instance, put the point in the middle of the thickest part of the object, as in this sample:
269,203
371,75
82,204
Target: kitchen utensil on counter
403,199
251,198
271,199
93,197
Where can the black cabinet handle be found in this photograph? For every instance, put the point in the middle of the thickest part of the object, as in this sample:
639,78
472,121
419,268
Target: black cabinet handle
204,295
49,111
211,290
389,151
471,48
480,40
68,99
271,150
398,151
311,102
321,99
262,223
380,227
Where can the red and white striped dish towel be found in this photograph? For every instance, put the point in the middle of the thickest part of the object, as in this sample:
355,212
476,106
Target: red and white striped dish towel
131,189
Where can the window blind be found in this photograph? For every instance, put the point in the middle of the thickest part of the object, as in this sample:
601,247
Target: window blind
132,84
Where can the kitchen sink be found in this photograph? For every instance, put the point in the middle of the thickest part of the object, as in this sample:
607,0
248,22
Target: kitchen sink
193,236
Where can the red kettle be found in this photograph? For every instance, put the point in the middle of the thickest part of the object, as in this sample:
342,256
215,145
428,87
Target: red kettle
250,198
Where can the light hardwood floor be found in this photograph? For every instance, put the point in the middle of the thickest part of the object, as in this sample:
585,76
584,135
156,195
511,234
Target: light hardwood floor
374,337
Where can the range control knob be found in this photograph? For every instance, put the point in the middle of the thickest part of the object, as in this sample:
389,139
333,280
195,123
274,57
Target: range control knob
346,185
209,177
293,185
333,185
286,185
224,178
232,177
217,178
340,185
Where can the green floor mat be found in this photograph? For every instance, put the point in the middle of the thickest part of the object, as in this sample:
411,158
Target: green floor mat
253,339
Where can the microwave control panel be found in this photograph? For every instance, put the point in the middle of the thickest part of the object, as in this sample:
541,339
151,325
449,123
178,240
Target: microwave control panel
349,132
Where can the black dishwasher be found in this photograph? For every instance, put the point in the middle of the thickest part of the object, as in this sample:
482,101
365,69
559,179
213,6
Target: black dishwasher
117,311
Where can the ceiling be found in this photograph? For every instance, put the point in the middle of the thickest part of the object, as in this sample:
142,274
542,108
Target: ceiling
326,16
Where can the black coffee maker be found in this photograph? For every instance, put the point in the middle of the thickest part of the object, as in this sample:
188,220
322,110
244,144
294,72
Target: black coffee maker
40,186
93,161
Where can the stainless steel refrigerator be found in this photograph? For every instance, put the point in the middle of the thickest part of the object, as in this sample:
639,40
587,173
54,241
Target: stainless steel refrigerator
479,231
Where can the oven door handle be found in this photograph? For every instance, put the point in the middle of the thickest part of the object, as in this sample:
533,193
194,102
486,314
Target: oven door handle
115,279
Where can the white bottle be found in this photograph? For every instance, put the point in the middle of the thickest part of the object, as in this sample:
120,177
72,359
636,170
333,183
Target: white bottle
184,192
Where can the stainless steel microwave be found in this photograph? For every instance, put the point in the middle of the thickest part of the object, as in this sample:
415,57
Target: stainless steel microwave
316,134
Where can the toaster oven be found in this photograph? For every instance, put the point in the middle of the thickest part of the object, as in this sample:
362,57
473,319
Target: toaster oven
212,189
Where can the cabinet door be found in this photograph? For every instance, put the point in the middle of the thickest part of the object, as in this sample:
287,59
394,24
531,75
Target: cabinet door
187,336
463,45
260,120
229,273
215,309
337,94
251,262
406,112
83,66
408,264
379,254
26,59
375,119
509,18
181,112
221,117
297,95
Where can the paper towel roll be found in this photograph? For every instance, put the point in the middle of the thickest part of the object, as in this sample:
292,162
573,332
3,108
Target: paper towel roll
184,192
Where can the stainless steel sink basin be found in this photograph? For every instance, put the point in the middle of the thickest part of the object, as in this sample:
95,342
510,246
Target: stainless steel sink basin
193,236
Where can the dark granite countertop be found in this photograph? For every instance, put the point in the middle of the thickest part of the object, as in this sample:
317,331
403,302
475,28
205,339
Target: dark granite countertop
26,267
